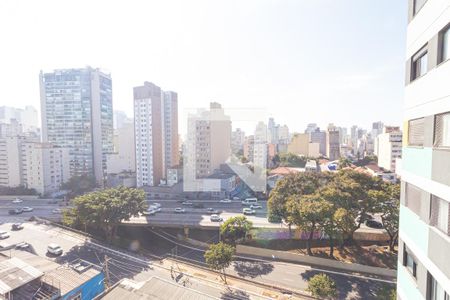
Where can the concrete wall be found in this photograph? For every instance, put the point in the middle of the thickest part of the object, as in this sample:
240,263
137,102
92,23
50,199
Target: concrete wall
311,260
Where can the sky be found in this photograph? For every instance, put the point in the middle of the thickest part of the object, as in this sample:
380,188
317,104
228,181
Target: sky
321,61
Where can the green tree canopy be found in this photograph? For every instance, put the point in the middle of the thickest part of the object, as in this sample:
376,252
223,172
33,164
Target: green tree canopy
292,160
235,228
219,257
106,209
322,286
78,185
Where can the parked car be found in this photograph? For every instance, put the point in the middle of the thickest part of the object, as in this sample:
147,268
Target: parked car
212,210
22,246
149,212
17,226
54,249
4,235
187,203
17,200
27,209
225,201
256,206
367,217
180,210
374,224
248,211
57,211
216,218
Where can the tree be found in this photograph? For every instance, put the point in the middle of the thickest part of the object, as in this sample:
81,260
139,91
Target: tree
292,160
106,209
322,286
294,184
387,292
218,257
78,185
344,163
307,213
235,228
389,207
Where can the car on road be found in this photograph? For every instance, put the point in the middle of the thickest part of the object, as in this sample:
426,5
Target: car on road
149,212
57,211
17,226
4,235
374,224
198,205
154,208
179,210
212,210
225,201
256,206
187,203
250,201
52,201
17,200
54,249
248,211
216,218
236,198
12,212
27,209
157,205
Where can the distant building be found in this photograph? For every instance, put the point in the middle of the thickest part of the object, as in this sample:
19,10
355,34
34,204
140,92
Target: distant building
26,117
209,141
170,130
311,127
301,145
11,161
389,149
45,167
77,114
174,175
148,126
237,140
333,144
123,159
377,128
319,137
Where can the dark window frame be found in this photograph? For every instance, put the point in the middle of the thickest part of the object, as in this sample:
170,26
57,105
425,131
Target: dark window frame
406,254
442,32
415,59
417,9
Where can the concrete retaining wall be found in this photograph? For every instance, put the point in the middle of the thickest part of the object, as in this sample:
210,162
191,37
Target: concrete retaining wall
311,260
12,197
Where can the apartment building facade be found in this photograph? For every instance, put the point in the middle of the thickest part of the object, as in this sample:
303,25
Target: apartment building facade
389,149
77,113
424,239
333,146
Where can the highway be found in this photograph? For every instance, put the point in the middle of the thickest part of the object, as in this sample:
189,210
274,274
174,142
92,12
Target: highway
41,208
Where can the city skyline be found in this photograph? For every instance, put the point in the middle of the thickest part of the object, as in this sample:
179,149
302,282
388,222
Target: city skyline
203,70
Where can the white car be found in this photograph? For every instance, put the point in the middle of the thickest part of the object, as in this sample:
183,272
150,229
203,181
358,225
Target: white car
225,201
54,249
27,209
17,200
154,208
180,210
188,203
216,218
149,212
212,210
4,235
236,198
255,206
248,211
157,205
56,211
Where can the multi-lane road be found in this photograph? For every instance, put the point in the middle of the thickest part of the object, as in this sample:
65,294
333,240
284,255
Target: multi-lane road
41,208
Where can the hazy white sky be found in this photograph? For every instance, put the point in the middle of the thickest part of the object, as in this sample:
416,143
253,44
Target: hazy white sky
303,61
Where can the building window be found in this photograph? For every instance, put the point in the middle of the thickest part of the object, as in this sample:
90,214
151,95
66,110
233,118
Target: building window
440,214
418,4
409,262
442,130
419,63
413,196
416,132
435,290
445,44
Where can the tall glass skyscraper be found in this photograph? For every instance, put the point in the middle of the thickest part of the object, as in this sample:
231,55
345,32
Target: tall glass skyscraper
424,239
77,113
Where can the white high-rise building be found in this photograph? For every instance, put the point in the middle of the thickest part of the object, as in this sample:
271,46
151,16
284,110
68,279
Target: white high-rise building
148,134
389,148
44,167
170,130
11,161
77,113
124,157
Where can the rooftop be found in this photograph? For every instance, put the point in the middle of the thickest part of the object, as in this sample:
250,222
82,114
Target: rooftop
286,171
15,273
155,288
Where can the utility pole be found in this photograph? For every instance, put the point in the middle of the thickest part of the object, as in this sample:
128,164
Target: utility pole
106,268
